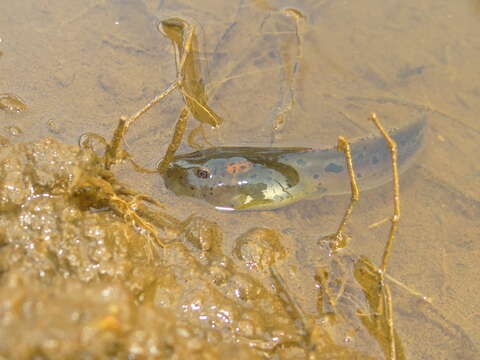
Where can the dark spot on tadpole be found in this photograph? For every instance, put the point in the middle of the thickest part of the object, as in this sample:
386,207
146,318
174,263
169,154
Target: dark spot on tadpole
375,159
332,167
316,176
203,173
192,187
300,162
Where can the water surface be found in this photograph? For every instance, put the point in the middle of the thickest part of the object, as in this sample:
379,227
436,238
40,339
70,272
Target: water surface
80,65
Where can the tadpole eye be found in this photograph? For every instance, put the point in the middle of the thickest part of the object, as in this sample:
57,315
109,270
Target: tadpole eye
202,173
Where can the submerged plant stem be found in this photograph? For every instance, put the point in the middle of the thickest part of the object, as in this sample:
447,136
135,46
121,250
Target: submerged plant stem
396,192
151,103
339,238
180,127
385,290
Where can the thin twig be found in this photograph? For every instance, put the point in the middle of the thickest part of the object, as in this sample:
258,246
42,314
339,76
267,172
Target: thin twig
408,289
396,193
113,148
215,120
378,223
385,289
290,304
387,298
150,104
180,127
339,237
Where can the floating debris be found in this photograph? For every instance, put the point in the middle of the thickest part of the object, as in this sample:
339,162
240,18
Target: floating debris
14,130
54,127
12,103
183,35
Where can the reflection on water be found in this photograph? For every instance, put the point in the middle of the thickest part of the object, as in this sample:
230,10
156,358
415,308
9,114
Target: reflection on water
82,65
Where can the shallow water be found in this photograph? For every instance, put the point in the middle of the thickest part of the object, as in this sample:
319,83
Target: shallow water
80,65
